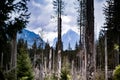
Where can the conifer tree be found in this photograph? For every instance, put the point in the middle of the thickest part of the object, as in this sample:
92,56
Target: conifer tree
100,51
10,25
24,66
69,47
112,17
34,48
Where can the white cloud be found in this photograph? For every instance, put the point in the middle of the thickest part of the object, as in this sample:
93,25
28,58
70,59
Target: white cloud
99,17
36,4
50,37
66,19
41,18
40,14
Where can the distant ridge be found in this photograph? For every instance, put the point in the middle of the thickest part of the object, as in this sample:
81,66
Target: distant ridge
30,37
70,37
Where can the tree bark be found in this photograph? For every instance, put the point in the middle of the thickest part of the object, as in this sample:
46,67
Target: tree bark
106,62
14,54
89,40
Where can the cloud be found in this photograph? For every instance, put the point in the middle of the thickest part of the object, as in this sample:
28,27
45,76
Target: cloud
42,10
36,4
99,0
50,37
66,19
99,17
40,13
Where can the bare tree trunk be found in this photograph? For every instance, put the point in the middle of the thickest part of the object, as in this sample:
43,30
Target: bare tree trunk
87,38
53,61
50,56
1,60
45,69
34,60
90,40
14,55
106,63
118,51
85,66
72,70
59,64
119,46
59,37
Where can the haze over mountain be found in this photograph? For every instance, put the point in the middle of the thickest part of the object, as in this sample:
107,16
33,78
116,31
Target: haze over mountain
70,37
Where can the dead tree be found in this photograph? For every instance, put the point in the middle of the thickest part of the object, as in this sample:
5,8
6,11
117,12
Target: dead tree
13,64
58,5
87,38
83,22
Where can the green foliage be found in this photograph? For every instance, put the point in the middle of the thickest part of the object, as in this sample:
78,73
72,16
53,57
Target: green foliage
99,75
116,47
100,50
24,78
65,73
2,77
10,75
47,50
9,24
116,73
51,77
112,22
24,66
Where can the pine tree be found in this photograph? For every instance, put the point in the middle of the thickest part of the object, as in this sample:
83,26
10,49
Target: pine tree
80,17
6,8
100,51
24,66
111,11
76,47
34,49
46,53
69,47
10,25
116,73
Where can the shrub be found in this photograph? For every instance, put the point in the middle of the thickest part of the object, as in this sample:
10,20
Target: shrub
99,75
116,73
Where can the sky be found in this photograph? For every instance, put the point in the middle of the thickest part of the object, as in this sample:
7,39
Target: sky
43,18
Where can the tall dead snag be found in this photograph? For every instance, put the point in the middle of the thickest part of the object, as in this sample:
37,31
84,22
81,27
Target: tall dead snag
14,55
86,22
58,6
89,40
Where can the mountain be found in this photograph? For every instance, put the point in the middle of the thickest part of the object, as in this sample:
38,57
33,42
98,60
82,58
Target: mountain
70,37
30,37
